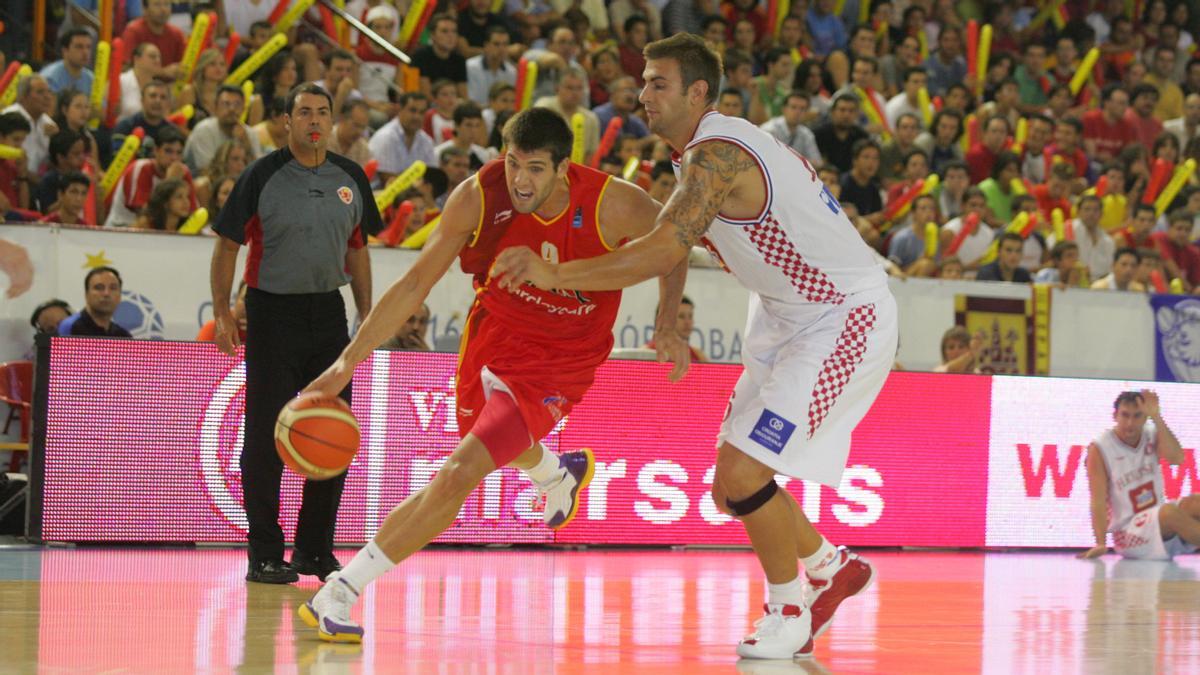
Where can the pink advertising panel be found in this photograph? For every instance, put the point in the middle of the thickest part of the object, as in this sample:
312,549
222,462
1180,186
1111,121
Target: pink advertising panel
140,443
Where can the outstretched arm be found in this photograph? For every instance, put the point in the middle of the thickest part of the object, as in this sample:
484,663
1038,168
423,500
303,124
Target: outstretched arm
709,173
404,297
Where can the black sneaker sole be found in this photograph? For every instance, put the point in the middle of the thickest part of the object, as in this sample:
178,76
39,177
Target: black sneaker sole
282,579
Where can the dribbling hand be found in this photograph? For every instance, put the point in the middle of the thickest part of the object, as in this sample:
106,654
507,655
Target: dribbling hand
1093,552
331,382
671,347
518,265
227,338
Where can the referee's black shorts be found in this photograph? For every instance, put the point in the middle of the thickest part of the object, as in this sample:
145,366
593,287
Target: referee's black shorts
290,340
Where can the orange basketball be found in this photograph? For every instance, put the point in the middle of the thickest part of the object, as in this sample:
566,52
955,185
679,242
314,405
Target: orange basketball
316,436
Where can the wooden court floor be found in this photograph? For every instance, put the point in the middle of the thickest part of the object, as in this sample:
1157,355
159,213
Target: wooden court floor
538,611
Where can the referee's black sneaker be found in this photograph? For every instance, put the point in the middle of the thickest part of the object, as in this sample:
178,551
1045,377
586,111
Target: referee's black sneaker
271,572
316,565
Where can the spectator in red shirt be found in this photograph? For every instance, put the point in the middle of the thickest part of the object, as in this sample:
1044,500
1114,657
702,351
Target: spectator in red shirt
1140,116
1105,131
637,31
1181,258
72,195
137,183
1053,193
1137,234
14,173
1065,148
982,155
152,27
745,9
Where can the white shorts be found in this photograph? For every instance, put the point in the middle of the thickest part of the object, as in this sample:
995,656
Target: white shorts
1142,539
804,391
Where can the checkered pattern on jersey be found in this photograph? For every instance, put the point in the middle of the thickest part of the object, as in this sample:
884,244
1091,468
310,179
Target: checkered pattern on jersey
778,250
838,368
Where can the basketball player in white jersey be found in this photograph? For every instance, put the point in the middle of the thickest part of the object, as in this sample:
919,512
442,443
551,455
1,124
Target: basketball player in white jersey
820,335
1126,479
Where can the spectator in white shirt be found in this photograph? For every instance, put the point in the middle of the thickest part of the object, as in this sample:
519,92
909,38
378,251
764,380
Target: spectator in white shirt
1096,248
906,101
492,66
790,130
400,142
35,100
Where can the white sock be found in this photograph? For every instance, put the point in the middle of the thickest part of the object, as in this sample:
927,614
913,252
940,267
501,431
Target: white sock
547,471
791,593
368,564
824,563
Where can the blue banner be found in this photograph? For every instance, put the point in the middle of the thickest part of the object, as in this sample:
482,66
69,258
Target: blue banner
1176,338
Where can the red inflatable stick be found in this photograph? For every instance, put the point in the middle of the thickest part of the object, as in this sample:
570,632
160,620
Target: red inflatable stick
969,223
1159,175
606,141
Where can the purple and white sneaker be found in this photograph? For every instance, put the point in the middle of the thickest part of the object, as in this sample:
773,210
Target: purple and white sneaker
329,611
562,498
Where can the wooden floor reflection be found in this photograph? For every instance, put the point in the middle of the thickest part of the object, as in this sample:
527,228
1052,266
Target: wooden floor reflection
489,611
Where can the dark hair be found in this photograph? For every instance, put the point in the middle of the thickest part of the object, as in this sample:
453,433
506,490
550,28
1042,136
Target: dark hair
697,62
70,34
278,106
1019,200
955,333
230,89
1127,250
1139,207
440,17
796,93
87,279
710,20
730,91
1109,90
735,58
947,112
51,303
536,129
913,116
1072,122
774,54
465,111
1039,117
633,20
12,122
924,197
168,133
1143,89
62,102
156,207
60,144
914,70
498,88
339,54
1060,249
913,153
867,59
411,96
1127,398
1008,236
441,83
496,137
955,164
307,88
265,80
260,24
970,97
496,30
1004,159
862,144
998,118
71,178
1179,215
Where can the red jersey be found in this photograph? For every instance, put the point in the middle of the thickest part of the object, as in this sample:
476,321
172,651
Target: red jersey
171,43
1110,138
1047,204
543,345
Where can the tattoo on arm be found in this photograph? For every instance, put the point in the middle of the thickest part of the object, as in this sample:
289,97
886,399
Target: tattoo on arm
708,175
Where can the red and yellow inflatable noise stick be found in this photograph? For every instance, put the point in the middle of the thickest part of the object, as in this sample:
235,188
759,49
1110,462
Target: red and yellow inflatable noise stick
1019,137
292,15
231,48
195,222
870,106
1160,173
257,59
124,156
931,240
191,53
606,141
898,206
926,107
1156,278
527,74
181,117
1182,173
392,236
417,239
981,60
8,94
113,105
99,82
969,223
370,168
577,128
399,184
1084,73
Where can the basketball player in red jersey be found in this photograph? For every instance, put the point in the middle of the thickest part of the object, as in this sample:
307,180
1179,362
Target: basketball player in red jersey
528,355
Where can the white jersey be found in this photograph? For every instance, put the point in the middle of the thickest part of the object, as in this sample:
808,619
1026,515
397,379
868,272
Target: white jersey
801,255
1135,481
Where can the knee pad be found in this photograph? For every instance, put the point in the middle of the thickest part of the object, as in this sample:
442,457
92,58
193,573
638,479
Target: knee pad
502,429
755,501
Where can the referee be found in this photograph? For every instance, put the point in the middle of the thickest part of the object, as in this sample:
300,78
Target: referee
305,213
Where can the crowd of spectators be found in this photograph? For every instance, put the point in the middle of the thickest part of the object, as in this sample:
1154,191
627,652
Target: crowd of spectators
1009,173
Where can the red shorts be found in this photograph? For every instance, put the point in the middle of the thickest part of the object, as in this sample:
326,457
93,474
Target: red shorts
545,378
